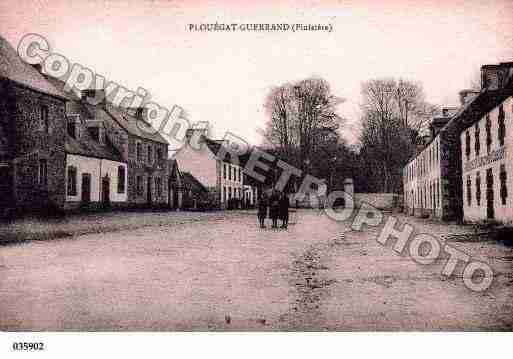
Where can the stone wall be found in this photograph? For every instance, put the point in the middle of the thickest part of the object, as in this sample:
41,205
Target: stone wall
386,201
147,171
30,143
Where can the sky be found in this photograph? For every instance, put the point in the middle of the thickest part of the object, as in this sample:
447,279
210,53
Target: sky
223,77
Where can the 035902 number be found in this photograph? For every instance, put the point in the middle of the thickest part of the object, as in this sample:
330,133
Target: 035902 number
27,346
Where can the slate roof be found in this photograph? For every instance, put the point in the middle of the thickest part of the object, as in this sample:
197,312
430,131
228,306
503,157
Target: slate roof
15,69
133,125
476,108
191,182
215,145
86,146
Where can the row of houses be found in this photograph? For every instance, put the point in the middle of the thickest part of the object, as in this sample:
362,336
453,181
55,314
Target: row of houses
63,150
57,151
465,170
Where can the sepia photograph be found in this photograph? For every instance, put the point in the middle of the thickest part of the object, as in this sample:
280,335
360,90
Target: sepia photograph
231,169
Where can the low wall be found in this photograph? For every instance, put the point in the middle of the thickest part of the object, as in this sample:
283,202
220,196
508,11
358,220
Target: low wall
378,200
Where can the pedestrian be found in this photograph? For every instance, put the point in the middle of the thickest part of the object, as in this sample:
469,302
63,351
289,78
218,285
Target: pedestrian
284,210
262,210
274,208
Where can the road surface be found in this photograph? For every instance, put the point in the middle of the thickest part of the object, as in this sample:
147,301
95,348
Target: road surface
224,273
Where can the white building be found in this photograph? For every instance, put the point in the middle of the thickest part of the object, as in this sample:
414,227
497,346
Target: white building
222,179
95,173
430,179
487,149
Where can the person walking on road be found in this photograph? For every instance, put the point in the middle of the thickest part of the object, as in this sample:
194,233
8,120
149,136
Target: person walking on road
284,210
262,210
274,209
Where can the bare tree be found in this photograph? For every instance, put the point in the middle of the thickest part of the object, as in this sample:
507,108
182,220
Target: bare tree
394,116
302,120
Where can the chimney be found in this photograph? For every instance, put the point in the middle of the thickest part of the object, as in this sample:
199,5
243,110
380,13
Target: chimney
467,95
94,96
494,77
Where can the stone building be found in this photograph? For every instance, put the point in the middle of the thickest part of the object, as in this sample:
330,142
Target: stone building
32,137
487,149
463,172
430,179
125,137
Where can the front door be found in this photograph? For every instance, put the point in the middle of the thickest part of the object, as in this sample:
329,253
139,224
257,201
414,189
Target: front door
490,212
106,191
86,188
148,190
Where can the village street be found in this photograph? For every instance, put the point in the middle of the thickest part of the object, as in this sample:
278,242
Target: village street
222,272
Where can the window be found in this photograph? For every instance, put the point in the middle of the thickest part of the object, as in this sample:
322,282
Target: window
469,191
159,155
477,143
95,133
240,174
121,179
224,189
467,144
229,193
224,172
502,127
158,186
504,188
478,189
72,181
150,154
439,194
139,185
72,128
138,151
230,173
43,173
43,114
488,134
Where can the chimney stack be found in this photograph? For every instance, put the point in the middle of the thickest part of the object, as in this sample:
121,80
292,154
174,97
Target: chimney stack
94,96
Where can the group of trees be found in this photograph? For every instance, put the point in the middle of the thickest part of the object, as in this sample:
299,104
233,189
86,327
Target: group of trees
303,128
395,117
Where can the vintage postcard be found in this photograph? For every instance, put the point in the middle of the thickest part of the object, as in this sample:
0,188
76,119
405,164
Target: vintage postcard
266,166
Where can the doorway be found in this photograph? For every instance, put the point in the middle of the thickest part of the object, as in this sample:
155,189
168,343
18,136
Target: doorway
148,191
86,188
490,211
106,191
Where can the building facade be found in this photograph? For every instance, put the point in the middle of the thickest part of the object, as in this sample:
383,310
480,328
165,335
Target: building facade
430,179
487,149
464,172
32,137
222,179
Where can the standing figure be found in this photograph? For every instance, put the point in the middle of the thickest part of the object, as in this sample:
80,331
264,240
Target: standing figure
262,210
284,210
274,208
